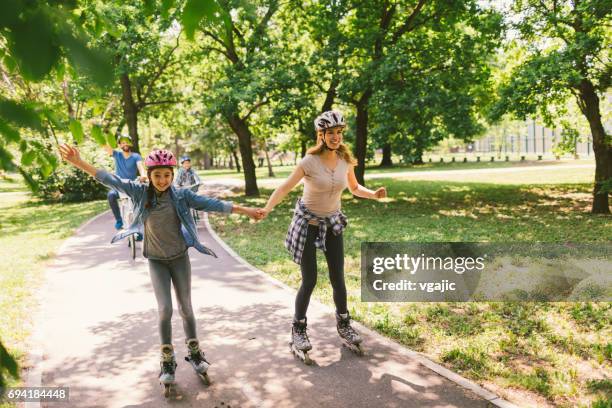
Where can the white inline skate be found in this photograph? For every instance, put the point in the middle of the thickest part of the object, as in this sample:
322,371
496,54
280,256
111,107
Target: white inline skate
167,366
197,359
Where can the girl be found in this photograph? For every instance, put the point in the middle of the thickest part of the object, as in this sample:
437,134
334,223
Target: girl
162,213
327,170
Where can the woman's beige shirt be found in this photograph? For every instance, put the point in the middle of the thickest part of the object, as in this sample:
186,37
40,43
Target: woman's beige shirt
323,186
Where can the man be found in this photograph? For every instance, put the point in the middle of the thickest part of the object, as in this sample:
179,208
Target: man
128,165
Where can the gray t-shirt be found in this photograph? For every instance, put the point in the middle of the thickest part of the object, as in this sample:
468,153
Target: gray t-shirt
162,231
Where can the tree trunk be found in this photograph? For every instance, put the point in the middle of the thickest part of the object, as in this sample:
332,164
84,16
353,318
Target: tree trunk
418,151
418,159
303,151
177,148
270,172
130,112
231,162
330,95
206,161
589,104
386,159
241,129
237,160
66,93
361,136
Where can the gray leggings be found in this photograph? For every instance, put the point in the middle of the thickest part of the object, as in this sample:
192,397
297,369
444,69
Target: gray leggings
177,271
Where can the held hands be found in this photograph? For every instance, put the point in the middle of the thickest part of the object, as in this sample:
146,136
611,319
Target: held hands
257,214
263,213
253,213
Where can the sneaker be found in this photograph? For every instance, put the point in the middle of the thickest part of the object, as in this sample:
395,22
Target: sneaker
118,225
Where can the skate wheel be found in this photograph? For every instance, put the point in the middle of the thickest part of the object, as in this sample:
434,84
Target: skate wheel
205,378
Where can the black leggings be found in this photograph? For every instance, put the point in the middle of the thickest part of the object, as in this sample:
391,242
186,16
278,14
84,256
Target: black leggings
334,254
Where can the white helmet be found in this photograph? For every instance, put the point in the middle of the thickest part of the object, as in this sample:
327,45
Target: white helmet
329,119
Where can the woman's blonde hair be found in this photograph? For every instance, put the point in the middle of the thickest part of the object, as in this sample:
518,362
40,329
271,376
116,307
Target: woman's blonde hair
343,151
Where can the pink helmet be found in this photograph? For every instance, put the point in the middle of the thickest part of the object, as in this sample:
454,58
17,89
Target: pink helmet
160,158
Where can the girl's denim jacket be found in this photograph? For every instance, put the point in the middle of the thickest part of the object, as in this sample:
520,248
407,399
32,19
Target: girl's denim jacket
182,199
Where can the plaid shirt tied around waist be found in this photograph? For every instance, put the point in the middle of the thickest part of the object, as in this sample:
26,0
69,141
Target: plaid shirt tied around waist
296,235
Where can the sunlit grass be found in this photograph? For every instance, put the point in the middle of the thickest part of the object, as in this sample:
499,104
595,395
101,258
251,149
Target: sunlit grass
579,175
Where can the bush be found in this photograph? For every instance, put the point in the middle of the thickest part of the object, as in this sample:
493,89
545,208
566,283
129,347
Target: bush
69,184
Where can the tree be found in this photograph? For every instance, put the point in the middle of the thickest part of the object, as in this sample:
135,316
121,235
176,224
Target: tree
244,70
375,30
567,55
41,42
145,40
433,84
321,74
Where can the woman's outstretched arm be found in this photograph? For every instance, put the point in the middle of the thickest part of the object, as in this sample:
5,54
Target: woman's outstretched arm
360,191
284,189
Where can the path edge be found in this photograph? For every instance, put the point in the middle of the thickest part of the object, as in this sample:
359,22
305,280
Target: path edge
34,354
487,395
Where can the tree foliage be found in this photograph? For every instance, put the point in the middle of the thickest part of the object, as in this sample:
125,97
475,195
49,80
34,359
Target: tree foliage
567,46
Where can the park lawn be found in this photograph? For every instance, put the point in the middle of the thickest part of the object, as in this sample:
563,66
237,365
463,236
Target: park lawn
284,171
30,232
549,354
11,184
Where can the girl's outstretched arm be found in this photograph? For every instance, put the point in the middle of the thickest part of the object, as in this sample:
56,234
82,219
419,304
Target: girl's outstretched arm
72,155
204,203
360,191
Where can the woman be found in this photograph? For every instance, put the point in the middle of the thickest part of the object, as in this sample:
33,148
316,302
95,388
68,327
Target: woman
327,169
162,213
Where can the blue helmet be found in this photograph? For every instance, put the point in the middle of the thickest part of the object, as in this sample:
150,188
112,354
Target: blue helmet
185,158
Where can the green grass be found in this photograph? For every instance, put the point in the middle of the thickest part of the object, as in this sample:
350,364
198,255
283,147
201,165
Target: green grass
551,350
284,171
30,233
11,184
